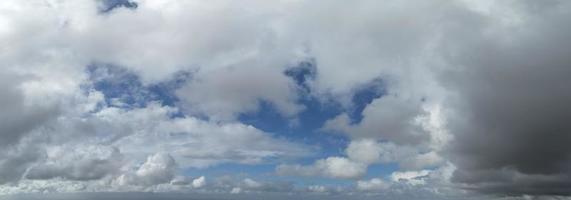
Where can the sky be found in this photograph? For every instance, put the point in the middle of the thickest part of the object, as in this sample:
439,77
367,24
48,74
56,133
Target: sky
285,99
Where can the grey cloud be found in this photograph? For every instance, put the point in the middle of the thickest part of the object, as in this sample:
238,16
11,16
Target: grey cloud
511,106
14,162
390,118
18,119
513,183
224,94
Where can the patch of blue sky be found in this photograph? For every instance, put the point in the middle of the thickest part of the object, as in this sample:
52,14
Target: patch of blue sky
107,6
316,112
303,72
305,129
124,89
306,125
165,90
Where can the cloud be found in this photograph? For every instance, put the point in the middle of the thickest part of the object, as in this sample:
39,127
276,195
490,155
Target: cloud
333,167
365,151
374,184
389,117
510,106
14,162
77,163
360,155
199,182
224,94
192,141
21,114
478,85
411,177
198,143
354,48
159,168
368,151
317,188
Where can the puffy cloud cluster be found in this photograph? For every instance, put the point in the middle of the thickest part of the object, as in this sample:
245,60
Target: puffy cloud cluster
159,168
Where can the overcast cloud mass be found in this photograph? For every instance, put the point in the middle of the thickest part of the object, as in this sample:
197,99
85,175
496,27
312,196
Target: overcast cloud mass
285,99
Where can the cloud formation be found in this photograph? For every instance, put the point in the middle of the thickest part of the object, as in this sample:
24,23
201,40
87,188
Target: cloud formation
471,98
509,114
334,167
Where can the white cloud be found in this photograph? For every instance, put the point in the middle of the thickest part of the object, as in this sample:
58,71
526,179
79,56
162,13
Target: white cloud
369,151
411,177
317,188
249,183
199,182
334,167
199,143
374,184
193,142
158,168
364,151
236,190
77,163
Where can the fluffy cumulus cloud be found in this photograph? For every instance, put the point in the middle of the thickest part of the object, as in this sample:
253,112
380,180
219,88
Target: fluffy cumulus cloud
158,168
471,98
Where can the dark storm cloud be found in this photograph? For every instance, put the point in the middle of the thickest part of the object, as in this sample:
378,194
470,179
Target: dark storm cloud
513,102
